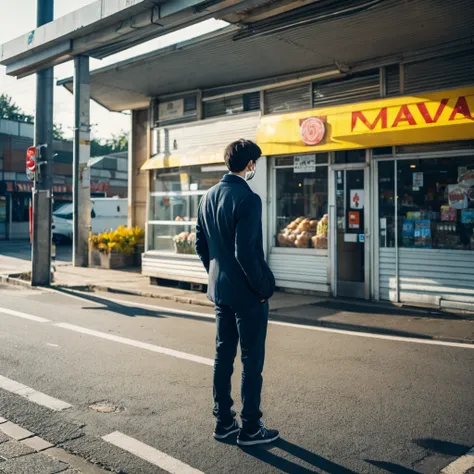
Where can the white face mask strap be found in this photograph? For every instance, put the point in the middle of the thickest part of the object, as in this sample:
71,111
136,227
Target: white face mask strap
250,174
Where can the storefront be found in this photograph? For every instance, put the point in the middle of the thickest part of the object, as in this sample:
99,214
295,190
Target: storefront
426,236
387,186
186,161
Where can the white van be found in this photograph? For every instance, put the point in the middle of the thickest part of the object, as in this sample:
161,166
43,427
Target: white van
106,214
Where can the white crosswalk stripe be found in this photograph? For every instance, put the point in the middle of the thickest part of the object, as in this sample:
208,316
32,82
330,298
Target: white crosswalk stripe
461,465
150,454
32,395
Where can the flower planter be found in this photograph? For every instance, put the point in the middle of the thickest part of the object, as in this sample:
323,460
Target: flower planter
111,260
116,249
137,256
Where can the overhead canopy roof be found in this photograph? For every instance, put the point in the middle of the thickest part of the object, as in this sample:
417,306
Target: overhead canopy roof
392,29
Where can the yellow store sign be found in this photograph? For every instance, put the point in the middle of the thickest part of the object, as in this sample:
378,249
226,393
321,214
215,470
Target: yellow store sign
431,117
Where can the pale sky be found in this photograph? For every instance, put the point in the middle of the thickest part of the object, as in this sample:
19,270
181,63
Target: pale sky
19,16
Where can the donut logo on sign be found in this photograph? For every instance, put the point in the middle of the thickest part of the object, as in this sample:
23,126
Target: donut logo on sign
312,130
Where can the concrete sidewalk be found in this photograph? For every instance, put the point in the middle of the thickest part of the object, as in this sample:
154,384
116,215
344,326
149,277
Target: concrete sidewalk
134,283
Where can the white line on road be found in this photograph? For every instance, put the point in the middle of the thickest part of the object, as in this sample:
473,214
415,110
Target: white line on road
416,340
141,345
302,326
18,314
149,454
460,465
32,395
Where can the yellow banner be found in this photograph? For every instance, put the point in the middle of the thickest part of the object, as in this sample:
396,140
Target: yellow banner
175,161
431,117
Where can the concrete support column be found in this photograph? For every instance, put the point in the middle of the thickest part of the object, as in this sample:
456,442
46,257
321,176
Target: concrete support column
42,191
81,156
139,151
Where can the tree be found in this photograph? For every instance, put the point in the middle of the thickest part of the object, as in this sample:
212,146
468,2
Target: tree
117,143
58,132
9,110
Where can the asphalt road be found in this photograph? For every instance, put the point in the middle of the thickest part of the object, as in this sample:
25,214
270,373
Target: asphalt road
344,403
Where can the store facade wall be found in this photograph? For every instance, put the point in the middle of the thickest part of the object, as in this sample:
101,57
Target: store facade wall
329,146
186,161
376,249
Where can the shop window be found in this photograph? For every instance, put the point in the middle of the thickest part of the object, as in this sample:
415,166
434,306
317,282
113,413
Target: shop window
436,203
349,156
387,228
174,201
301,202
383,151
430,147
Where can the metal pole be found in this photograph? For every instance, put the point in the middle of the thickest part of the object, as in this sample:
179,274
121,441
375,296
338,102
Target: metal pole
81,156
42,207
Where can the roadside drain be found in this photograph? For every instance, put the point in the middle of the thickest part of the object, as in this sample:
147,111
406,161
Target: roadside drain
106,407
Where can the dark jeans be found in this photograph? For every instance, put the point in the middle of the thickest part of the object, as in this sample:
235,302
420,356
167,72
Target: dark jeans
250,327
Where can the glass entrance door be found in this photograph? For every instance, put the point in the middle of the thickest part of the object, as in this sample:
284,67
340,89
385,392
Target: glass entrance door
351,200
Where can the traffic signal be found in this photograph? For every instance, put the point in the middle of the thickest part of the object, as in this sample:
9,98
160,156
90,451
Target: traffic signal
31,161
35,157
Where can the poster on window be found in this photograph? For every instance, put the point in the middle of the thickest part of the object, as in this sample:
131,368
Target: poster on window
354,219
305,164
417,181
457,196
357,199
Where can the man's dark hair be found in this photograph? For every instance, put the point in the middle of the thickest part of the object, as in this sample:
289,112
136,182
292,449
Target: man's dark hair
238,154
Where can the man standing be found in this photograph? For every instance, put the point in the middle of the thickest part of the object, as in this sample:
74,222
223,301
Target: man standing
230,244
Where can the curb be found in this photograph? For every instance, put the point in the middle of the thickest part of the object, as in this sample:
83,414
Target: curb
16,281
39,446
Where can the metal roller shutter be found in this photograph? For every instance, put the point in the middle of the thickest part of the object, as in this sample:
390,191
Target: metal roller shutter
440,73
200,136
288,99
226,106
345,91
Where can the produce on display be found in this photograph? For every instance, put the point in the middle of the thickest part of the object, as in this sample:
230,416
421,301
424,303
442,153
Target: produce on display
184,243
301,233
320,240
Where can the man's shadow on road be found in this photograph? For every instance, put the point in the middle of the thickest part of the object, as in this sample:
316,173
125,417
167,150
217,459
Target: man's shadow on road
129,310
264,454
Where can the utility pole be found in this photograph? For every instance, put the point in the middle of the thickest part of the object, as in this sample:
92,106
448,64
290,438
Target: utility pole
42,191
81,156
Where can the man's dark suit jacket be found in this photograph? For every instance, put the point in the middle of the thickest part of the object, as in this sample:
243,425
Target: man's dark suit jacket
230,244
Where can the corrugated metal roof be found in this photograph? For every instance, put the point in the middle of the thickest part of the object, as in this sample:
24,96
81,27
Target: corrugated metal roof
393,28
